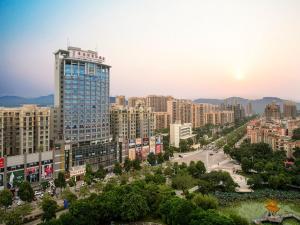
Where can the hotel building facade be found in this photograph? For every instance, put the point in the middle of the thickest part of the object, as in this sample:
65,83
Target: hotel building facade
82,106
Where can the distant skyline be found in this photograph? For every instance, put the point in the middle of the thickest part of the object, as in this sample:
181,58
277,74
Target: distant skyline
188,49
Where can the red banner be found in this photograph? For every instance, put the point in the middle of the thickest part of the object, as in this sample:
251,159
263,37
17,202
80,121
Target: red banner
1,162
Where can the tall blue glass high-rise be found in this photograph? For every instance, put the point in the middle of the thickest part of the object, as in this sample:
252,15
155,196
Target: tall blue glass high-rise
82,106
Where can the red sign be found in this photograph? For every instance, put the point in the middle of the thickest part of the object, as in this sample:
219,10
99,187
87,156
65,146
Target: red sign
157,149
1,162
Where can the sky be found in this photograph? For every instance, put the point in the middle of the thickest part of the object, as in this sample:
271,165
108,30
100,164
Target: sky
188,49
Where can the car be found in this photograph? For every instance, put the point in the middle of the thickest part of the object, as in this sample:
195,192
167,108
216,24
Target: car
19,202
211,153
38,193
180,156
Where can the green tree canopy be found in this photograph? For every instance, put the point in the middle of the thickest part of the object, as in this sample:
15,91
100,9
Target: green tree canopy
296,134
134,206
49,207
117,169
151,159
205,201
26,192
6,198
183,181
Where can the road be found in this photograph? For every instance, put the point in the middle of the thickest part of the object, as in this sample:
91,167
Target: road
215,160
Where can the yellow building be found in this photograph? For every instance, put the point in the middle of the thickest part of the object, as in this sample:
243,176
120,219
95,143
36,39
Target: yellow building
24,130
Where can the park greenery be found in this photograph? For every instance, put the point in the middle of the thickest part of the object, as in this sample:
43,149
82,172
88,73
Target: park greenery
16,215
49,207
6,198
266,168
25,192
296,134
149,198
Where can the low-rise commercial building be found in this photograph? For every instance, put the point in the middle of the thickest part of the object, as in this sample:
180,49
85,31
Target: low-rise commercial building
179,132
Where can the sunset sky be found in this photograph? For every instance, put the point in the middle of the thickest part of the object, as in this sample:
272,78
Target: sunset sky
184,48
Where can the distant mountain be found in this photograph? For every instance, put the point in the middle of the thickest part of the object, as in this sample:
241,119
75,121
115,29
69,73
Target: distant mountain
258,105
15,101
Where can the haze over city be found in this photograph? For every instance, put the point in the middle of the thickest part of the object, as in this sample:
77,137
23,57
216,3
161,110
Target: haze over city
197,49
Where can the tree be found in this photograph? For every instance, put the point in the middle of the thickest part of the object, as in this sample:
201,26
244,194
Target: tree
220,181
183,181
15,216
190,142
278,181
69,196
151,158
227,150
124,178
205,201
6,198
98,187
44,185
156,178
49,207
136,164
204,187
196,169
183,166
176,211
168,171
255,181
296,152
117,169
134,206
26,192
166,155
72,182
89,174
84,191
183,146
160,158
101,172
127,164
209,217
238,220
60,181
259,166
246,164
296,134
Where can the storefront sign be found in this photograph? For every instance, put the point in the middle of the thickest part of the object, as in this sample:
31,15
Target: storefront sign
1,162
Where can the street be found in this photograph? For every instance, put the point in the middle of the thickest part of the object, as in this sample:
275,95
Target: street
215,160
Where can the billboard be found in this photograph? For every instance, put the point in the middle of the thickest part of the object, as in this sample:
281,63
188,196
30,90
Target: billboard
145,141
131,154
47,171
15,177
32,174
138,142
157,149
152,144
138,148
1,162
145,152
131,143
158,140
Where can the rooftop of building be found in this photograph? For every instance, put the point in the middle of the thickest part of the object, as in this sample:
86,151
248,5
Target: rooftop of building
82,55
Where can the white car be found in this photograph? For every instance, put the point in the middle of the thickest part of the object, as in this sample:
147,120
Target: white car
19,202
38,193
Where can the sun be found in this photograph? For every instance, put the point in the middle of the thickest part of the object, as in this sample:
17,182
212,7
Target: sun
239,75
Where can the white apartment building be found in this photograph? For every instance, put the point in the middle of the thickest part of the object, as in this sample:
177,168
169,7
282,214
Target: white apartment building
179,132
